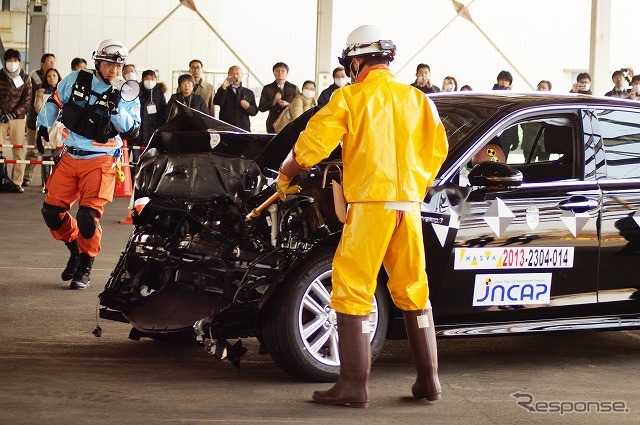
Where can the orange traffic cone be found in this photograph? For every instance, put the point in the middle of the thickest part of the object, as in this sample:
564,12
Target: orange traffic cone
128,219
124,188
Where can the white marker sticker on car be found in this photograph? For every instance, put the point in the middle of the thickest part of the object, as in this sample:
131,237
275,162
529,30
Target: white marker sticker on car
498,216
512,289
533,217
513,258
214,139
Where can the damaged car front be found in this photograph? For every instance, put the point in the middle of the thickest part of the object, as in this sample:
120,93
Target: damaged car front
196,265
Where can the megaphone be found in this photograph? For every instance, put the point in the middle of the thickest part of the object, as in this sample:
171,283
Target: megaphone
129,89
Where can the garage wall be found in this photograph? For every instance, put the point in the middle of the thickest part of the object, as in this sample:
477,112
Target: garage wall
545,39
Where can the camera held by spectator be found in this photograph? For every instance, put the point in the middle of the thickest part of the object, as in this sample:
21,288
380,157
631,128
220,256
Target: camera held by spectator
627,73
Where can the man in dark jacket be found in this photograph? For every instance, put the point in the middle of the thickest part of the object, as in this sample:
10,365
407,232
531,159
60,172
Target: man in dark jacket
340,79
236,103
619,89
423,80
277,95
15,97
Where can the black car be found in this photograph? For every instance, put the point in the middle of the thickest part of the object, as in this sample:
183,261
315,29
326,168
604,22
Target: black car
530,226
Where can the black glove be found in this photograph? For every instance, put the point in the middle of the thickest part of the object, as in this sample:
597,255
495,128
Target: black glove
42,138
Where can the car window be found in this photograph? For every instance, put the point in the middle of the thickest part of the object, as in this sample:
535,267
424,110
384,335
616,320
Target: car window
621,137
536,141
541,149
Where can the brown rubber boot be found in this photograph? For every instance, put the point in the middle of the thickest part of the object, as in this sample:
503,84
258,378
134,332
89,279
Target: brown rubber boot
352,388
422,341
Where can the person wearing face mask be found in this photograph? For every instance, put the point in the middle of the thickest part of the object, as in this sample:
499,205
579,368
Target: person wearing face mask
303,101
153,107
635,88
94,120
393,144
15,98
237,103
340,79
129,72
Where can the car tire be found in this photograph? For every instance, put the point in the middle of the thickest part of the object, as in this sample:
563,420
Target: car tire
298,326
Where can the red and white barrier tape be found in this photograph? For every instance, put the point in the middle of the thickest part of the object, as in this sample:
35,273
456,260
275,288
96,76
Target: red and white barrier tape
9,145
36,162
25,161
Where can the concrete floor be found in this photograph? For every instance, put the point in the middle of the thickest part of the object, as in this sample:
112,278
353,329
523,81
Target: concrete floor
54,371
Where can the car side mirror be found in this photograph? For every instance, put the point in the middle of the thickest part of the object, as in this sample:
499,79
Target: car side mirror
495,175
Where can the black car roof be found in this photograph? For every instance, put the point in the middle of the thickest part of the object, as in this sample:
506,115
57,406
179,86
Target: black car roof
510,101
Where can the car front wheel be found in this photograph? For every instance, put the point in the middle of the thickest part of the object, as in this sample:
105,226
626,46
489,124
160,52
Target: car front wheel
299,327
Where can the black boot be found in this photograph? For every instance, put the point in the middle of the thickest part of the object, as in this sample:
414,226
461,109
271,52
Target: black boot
72,263
352,388
46,172
422,341
81,276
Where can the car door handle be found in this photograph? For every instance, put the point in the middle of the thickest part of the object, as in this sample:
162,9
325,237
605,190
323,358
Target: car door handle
578,204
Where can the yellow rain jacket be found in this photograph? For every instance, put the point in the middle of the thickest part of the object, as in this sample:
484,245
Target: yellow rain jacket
390,150
393,144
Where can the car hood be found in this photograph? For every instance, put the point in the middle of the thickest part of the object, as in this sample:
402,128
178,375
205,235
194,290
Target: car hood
194,157
191,131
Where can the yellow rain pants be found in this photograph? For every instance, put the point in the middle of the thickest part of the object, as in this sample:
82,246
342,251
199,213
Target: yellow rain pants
374,235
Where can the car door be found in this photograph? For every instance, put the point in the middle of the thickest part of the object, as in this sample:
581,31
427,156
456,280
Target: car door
618,277
517,253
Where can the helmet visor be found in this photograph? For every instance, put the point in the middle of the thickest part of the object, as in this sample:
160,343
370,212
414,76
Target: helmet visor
113,53
380,47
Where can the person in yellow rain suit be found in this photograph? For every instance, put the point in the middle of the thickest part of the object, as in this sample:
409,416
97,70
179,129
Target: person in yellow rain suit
393,144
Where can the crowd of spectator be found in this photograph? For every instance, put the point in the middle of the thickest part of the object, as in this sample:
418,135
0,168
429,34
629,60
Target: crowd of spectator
22,97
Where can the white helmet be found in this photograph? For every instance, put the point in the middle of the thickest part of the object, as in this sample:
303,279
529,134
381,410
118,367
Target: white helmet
111,50
367,40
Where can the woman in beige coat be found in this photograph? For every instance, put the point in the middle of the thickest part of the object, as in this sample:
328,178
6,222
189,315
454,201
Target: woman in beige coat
303,101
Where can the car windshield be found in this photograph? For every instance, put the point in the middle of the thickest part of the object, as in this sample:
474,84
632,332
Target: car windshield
460,118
